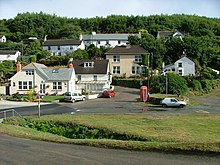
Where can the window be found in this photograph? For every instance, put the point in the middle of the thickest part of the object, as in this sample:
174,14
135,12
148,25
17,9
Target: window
138,59
49,48
88,64
57,85
180,65
138,70
116,69
116,58
181,72
25,85
29,72
79,77
95,78
71,48
58,48
119,42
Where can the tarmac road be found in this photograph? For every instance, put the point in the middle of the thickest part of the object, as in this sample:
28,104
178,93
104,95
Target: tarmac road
17,151
124,102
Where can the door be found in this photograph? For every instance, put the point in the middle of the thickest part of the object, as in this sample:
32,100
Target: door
42,88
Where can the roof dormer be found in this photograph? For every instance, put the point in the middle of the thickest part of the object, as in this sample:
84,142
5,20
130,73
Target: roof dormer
88,64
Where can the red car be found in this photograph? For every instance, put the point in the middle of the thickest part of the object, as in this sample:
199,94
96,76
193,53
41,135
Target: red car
107,94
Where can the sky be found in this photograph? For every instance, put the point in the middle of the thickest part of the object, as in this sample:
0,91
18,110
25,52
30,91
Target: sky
102,8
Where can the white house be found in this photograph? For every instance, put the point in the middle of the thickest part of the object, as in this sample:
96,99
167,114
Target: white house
183,67
42,79
2,38
92,75
61,47
169,34
11,55
108,40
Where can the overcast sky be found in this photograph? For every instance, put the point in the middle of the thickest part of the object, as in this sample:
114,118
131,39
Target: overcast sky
103,8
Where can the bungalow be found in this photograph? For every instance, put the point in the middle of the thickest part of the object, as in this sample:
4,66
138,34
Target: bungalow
92,75
108,40
42,79
61,47
11,55
183,67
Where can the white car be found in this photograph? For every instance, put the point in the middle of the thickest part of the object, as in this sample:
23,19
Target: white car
172,102
71,96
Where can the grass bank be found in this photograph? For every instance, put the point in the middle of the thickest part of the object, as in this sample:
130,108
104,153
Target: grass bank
194,132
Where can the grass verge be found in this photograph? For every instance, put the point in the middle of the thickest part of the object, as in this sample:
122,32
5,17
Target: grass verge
197,132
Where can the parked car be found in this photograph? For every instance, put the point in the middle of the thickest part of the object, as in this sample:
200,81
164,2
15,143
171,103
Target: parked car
71,96
172,102
107,94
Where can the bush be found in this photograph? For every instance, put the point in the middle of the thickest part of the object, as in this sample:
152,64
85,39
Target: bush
206,85
196,85
176,84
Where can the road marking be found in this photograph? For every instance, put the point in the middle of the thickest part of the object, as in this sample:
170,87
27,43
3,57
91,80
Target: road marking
202,111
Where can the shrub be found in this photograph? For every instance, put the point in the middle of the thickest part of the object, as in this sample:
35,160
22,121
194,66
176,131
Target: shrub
196,85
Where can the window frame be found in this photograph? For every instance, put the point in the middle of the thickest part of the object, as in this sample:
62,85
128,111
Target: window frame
116,58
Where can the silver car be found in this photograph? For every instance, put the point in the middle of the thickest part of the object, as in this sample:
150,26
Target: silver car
172,102
71,96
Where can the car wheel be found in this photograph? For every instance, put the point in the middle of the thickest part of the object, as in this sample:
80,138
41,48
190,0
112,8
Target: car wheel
73,101
181,105
164,105
83,99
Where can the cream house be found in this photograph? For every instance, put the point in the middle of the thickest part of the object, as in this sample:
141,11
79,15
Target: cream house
42,79
92,75
126,60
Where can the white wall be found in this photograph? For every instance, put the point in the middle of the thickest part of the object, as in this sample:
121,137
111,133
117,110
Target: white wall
11,57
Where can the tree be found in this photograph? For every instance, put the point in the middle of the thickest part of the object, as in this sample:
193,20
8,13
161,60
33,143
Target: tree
77,55
176,84
93,51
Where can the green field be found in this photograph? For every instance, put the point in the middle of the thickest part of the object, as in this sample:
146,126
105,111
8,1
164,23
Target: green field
194,132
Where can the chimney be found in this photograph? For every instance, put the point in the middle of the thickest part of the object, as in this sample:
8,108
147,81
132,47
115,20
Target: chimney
18,66
70,63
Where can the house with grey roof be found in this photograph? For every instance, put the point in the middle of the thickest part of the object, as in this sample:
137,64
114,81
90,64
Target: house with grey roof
9,55
92,75
42,79
184,67
126,60
60,47
167,34
107,40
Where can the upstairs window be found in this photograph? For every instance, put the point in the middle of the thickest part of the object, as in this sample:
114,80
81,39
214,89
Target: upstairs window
29,72
116,58
180,64
88,64
95,78
138,59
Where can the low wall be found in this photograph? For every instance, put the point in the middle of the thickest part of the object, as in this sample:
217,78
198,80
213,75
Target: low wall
94,96
2,90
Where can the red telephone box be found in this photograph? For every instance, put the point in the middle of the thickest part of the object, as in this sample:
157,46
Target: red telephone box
144,94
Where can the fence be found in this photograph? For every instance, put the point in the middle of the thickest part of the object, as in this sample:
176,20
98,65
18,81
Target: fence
7,112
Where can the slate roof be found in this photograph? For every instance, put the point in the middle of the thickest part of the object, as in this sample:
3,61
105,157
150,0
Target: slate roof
105,37
126,50
50,74
100,67
5,52
61,42
58,74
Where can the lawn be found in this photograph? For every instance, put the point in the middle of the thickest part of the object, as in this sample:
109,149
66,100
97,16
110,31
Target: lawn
191,132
